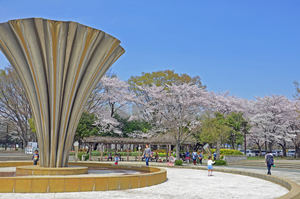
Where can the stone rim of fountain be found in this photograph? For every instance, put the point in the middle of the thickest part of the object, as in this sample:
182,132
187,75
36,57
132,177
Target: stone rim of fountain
37,170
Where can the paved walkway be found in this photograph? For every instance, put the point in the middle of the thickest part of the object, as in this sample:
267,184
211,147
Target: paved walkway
181,184
188,183
291,174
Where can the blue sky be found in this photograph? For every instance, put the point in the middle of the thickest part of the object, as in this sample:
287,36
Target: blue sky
251,48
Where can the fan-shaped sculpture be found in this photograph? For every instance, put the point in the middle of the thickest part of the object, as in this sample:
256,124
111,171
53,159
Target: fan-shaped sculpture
59,64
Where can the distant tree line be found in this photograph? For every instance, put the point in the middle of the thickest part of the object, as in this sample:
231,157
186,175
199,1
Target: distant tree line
169,103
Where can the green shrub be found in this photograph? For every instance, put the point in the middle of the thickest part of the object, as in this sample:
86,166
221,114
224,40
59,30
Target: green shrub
228,152
162,154
220,162
80,156
178,162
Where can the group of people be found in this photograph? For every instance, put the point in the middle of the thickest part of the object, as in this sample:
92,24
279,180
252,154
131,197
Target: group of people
187,156
146,155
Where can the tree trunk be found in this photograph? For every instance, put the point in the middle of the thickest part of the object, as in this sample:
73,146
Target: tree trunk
296,147
270,146
232,143
90,152
259,149
6,136
283,146
266,144
166,153
218,149
177,151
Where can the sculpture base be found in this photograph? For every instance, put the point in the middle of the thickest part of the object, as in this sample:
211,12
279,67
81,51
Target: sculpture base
37,170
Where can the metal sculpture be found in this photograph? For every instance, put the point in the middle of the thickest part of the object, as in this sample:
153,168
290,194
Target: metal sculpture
59,64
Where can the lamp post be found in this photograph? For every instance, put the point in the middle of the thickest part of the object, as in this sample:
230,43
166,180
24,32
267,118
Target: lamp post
139,153
245,124
6,136
76,144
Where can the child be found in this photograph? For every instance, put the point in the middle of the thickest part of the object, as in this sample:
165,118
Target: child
195,156
116,159
209,166
35,157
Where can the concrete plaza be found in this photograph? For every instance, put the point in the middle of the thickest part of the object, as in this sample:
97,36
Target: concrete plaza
182,183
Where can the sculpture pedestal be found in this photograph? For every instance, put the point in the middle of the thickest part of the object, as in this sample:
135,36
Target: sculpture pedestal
37,170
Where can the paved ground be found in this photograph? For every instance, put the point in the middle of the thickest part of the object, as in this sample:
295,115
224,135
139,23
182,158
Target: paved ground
183,183
187,183
291,174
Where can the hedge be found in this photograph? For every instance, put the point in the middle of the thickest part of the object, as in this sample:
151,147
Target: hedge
178,162
220,162
228,152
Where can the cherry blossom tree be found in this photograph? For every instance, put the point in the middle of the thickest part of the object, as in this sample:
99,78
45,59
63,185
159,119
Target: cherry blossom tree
174,109
293,123
269,118
226,104
112,96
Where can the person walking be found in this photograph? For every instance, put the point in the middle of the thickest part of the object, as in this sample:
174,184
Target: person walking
147,154
200,157
215,155
187,156
209,166
195,156
269,161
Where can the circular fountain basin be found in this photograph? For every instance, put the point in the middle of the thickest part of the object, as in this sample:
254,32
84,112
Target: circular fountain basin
100,177
92,171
